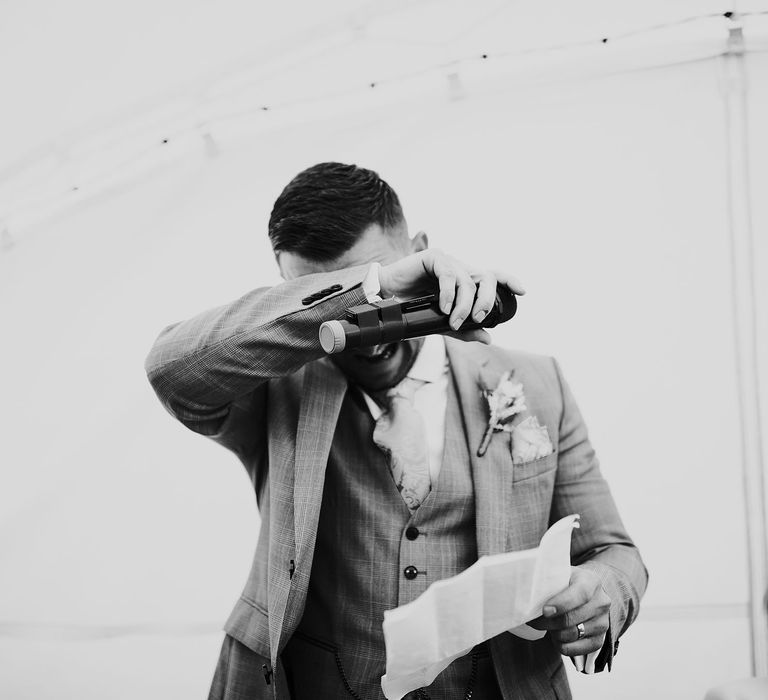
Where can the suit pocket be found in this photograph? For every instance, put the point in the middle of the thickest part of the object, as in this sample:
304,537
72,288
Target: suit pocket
529,500
249,624
240,674
255,605
315,669
534,468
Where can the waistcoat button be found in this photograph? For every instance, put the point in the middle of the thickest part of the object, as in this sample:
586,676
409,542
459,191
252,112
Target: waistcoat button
410,572
412,532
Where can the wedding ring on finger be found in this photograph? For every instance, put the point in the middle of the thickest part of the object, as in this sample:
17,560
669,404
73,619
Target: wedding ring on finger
581,630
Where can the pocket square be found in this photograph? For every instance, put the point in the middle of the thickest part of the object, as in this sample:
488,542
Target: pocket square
530,441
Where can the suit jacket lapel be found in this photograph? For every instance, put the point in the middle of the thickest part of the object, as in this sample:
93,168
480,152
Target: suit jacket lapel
497,510
489,479
323,393
323,390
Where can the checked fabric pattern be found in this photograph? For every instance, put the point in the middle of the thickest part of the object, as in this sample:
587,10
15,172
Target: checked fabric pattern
400,433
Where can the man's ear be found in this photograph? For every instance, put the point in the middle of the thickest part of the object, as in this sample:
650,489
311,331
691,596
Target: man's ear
419,242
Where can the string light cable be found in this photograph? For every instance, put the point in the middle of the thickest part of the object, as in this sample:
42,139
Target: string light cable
149,150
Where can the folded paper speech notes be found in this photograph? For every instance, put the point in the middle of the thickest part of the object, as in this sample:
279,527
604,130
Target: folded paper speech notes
498,593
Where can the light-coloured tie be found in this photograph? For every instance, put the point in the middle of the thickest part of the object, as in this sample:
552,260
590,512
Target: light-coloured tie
401,435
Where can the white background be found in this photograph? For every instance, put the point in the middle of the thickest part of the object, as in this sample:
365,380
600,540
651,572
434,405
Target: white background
595,172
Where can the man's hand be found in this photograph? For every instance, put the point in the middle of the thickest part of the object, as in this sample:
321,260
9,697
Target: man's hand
464,290
583,601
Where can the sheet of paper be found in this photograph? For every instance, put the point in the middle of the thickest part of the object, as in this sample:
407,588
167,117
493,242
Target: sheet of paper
498,593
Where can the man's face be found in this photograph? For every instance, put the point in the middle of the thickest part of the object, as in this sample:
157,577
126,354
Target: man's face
381,366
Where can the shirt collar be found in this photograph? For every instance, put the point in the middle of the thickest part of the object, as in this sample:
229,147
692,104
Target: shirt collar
430,366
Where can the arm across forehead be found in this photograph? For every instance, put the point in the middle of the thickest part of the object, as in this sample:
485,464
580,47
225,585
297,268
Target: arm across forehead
201,367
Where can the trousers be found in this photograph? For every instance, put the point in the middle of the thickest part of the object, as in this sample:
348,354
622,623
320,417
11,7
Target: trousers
240,675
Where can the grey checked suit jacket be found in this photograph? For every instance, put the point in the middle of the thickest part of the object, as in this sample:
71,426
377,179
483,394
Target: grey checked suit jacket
252,376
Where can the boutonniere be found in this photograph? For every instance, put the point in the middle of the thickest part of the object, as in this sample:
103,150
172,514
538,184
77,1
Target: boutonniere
504,403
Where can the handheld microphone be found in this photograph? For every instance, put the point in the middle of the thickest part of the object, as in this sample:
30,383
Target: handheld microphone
391,320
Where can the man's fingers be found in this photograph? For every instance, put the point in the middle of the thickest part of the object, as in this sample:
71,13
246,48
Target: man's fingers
511,283
567,639
465,296
585,645
597,626
439,266
585,602
426,270
598,605
485,298
581,589
447,284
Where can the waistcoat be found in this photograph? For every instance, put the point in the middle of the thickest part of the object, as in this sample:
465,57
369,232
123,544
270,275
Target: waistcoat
373,555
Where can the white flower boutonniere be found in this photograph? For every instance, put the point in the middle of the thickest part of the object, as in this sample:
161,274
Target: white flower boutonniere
504,403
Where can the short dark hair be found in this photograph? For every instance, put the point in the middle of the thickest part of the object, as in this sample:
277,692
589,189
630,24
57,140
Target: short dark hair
322,212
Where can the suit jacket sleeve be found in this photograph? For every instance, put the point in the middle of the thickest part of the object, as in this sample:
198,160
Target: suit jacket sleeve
601,544
211,371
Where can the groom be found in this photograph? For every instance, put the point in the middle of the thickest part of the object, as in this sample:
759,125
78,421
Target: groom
365,465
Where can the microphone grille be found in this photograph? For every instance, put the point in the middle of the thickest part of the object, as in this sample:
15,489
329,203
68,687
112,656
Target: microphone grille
332,337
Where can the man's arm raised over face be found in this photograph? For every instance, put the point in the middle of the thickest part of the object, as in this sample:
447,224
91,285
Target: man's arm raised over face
219,361
199,367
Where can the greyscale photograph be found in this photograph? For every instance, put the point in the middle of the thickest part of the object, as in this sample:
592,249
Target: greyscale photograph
384,351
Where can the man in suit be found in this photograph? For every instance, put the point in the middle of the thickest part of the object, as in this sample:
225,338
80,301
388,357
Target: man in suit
366,468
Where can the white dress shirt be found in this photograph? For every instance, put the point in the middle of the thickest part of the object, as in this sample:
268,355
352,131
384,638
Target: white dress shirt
430,399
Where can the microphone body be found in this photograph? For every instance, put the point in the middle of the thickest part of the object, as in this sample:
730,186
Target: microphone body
391,320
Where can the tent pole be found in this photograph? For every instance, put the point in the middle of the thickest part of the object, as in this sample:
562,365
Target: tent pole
745,338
